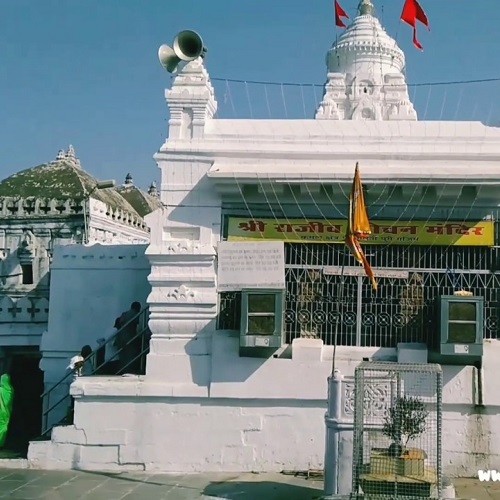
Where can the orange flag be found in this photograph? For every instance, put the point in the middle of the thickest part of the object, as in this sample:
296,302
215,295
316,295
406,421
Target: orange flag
358,225
339,14
413,12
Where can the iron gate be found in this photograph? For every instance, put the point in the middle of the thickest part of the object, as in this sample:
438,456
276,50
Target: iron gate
402,310
319,305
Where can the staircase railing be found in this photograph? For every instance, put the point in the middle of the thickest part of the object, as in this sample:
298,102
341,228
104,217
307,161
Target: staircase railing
98,360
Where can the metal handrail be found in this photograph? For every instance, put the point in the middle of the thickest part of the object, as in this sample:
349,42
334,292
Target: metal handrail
143,333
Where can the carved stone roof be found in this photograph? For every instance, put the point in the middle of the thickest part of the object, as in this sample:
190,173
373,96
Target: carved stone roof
366,76
61,179
365,43
142,202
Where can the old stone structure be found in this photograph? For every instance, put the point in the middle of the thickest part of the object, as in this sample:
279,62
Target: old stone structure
143,203
54,204
41,208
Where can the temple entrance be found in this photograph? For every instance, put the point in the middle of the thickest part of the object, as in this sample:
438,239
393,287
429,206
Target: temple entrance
27,380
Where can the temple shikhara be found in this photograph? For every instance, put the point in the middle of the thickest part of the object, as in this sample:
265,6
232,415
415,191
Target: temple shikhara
249,294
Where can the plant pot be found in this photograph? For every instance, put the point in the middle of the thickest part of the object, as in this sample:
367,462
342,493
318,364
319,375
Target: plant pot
395,450
411,462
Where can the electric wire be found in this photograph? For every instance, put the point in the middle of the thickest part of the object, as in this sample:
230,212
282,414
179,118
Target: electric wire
321,85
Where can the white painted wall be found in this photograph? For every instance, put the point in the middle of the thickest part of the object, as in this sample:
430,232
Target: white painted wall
115,226
261,415
21,334
90,287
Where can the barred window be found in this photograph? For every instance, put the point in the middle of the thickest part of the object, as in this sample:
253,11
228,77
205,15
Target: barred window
402,310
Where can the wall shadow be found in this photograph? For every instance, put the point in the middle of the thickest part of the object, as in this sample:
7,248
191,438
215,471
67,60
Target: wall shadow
224,359
249,490
202,190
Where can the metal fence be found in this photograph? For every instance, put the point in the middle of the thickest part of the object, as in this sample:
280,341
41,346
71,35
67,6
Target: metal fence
402,310
56,399
397,450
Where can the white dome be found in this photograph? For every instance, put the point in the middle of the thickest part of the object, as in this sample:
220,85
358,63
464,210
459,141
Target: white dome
365,47
365,79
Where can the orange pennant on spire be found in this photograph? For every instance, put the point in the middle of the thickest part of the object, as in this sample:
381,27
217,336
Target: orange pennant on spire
358,225
413,12
339,14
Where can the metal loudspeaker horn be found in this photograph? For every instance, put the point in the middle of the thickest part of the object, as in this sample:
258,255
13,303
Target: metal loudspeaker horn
187,46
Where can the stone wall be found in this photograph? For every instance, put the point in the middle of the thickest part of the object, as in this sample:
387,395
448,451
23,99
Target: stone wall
115,226
90,287
260,415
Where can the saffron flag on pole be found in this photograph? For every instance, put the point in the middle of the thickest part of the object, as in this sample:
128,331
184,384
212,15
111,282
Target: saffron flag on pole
413,12
358,225
339,14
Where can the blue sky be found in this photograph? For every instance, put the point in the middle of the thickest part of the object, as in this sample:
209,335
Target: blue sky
86,72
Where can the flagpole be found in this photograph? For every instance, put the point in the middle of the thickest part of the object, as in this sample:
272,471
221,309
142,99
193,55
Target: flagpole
340,288
340,309
358,226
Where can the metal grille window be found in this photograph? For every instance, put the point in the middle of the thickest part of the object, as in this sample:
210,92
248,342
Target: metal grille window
403,310
261,313
462,322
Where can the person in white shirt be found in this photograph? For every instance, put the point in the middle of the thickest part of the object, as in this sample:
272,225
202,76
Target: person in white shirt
82,366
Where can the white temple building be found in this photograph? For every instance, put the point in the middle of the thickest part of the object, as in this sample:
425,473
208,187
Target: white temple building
215,397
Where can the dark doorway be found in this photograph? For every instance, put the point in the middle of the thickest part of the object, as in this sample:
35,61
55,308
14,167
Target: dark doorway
27,380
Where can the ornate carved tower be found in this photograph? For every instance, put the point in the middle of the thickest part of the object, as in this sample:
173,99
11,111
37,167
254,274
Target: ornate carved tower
365,78
183,300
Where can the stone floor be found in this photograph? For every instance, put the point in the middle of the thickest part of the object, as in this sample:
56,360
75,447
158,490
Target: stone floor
72,485
473,488
57,485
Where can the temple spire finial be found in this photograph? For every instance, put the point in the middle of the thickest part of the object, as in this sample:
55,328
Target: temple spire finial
153,191
366,8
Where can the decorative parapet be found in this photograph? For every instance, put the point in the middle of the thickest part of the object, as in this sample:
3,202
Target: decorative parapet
102,210
24,310
191,101
11,207
36,207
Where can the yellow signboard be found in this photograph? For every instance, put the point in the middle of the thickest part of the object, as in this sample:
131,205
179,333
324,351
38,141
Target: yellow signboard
471,233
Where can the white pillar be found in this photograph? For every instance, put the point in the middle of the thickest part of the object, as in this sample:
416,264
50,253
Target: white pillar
184,235
332,418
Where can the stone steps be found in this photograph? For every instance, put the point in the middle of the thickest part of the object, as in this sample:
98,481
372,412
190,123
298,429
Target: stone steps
14,463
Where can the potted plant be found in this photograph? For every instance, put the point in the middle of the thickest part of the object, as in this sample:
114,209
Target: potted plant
399,468
406,420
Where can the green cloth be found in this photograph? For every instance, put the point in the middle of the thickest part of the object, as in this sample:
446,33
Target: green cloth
6,401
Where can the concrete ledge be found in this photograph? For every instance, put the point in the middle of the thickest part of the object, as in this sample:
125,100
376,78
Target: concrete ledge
412,352
307,349
68,434
133,386
13,463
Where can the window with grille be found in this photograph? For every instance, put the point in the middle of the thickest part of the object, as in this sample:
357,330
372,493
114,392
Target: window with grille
262,313
401,310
